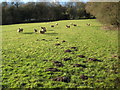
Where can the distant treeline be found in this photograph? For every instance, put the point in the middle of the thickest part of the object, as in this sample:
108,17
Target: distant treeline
18,12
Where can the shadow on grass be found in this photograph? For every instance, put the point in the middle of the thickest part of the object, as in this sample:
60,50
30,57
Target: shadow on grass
28,33
50,30
52,34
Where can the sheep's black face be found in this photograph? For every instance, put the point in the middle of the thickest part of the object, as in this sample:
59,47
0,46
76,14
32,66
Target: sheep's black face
42,32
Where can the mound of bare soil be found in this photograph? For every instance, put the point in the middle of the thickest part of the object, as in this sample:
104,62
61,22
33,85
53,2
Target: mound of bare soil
81,56
62,79
52,69
68,50
66,59
57,63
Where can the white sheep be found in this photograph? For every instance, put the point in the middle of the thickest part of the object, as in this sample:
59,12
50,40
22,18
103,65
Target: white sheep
43,29
56,24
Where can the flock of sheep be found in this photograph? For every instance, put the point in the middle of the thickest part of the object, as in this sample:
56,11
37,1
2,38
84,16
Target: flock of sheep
43,29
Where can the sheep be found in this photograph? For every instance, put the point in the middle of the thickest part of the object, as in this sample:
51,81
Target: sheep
43,29
67,26
20,30
35,30
88,24
42,32
52,25
74,24
56,24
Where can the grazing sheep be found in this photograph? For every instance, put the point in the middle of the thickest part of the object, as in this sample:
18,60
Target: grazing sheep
67,26
52,25
74,24
35,30
88,24
20,30
42,32
56,24
43,29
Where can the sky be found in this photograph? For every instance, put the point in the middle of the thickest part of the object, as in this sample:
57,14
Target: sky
60,0
44,0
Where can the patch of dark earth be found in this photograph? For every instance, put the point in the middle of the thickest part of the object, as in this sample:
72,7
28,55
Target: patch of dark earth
66,59
45,60
52,69
94,59
63,41
68,50
83,77
75,48
81,56
37,40
44,39
57,63
85,61
79,65
57,44
62,79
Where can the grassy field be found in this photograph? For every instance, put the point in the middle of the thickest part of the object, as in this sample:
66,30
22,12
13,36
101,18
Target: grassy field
87,56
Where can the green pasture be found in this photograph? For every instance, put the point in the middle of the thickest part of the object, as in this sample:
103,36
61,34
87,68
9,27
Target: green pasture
27,55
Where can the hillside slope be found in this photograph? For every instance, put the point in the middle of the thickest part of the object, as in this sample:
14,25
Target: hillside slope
88,56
